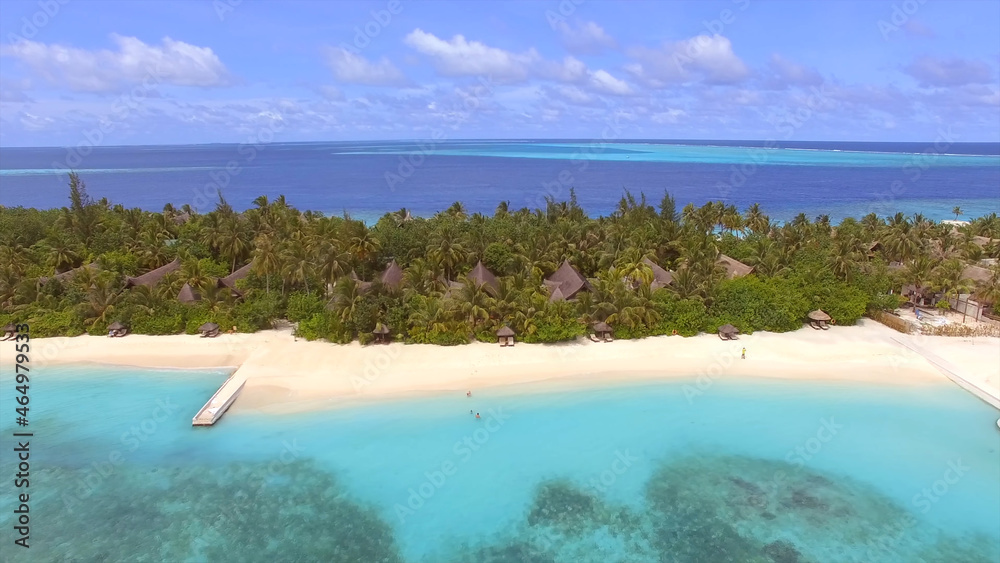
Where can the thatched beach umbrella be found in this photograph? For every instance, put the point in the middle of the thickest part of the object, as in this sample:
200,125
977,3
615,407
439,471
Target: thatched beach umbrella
210,330
117,329
602,330
381,333
818,319
728,332
505,336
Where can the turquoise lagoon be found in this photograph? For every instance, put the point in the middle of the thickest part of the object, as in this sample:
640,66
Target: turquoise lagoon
749,471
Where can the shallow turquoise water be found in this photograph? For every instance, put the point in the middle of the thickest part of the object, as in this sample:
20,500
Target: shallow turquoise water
679,153
759,470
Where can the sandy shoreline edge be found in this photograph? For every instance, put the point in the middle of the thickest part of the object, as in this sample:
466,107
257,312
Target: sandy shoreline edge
284,374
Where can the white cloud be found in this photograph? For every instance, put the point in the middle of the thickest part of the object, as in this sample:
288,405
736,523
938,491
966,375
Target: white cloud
782,73
460,57
709,58
602,81
351,68
668,117
575,95
134,62
936,72
585,37
569,70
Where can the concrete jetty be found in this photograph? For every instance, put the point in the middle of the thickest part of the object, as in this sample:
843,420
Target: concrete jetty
220,402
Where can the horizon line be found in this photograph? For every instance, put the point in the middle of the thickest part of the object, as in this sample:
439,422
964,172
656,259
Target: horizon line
506,139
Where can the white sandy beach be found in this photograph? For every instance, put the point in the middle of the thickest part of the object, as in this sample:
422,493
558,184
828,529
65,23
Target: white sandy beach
285,374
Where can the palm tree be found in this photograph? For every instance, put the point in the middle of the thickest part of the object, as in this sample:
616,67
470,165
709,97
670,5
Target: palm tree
347,297
844,258
432,314
231,242
193,275
474,302
62,253
418,278
688,284
266,259
957,211
918,272
504,303
363,246
446,249
332,262
456,210
948,278
215,298
756,221
100,303
988,292
297,263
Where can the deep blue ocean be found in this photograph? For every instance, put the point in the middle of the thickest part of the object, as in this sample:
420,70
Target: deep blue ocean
370,178
752,471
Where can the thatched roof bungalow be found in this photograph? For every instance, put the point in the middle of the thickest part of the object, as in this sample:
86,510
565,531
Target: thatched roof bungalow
661,277
230,280
982,242
392,276
482,276
451,287
188,295
363,285
977,274
68,274
153,277
566,282
734,268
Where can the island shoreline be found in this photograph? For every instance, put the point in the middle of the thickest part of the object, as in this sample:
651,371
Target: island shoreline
285,374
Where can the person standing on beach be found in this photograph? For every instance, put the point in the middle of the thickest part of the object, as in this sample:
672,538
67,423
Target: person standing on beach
743,356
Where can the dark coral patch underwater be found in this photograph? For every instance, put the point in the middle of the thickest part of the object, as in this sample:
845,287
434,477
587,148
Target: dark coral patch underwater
695,510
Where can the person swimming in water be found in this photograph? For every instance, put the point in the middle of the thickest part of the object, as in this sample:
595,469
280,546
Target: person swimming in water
477,415
468,393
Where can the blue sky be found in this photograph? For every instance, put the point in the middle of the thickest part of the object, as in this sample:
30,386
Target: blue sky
200,71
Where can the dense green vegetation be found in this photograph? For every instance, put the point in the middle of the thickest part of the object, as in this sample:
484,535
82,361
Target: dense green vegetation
303,264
